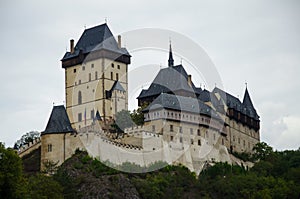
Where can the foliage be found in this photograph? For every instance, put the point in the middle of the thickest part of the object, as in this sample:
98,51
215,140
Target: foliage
137,115
122,121
41,186
11,175
26,138
261,151
243,156
50,167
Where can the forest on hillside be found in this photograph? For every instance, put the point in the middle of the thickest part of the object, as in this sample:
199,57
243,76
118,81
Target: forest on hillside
276,174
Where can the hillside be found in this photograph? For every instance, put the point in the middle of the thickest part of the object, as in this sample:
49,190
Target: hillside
276,175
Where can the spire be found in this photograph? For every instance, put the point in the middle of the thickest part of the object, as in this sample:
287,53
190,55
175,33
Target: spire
171,60
247,100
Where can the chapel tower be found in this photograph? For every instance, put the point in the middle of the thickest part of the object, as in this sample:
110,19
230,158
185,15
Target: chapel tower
95,76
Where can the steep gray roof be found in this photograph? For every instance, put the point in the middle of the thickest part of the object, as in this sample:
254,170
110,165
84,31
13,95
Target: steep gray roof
234,103
58,122
247,103
181,103
117,86
169,80
97,116
96,38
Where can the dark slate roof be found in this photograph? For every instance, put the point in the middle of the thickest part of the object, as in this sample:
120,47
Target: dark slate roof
204,96
117,86
58,122
96,38
181,103
169,80
171,60
236,104
97,116
249,106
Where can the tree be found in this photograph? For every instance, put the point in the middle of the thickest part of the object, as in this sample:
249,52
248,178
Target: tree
137,115
41,186
122,121
261,151
26,138
11,175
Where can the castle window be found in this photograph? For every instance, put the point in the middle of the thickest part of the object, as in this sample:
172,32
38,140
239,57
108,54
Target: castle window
206,134
118,66
111,75
244,143
199,142
180,139
74,70
198,132
49,148
92,65
96,75
192,141
233,138
171,128
79,81
112,65
79,117
172,138
222,141
79,97
83,67
191,131
117,76
90,76
239,140
92,114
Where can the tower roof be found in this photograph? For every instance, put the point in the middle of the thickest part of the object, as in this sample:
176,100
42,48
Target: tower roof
171,60
117,86
93,39
247,103
247,100
97,116
58,122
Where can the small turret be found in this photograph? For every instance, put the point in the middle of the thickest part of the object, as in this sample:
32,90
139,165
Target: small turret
171,60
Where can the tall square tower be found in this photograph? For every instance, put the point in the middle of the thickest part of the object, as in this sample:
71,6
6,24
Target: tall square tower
95,76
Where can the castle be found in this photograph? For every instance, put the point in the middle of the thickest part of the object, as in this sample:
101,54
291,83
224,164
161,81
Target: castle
182,123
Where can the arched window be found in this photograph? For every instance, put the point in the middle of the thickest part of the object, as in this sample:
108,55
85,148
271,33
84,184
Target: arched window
79,97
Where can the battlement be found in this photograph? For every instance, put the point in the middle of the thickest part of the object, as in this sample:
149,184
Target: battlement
26,149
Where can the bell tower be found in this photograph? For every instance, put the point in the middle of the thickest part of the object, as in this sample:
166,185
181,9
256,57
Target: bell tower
95,68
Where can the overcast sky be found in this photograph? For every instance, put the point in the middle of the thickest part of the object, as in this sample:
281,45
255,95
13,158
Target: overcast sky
254,41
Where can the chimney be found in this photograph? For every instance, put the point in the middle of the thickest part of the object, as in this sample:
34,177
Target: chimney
119,41
190,80
72,46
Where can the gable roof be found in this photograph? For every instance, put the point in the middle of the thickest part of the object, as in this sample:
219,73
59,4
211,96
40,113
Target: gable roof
181,103
169,80
117,86
93,39
58,122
